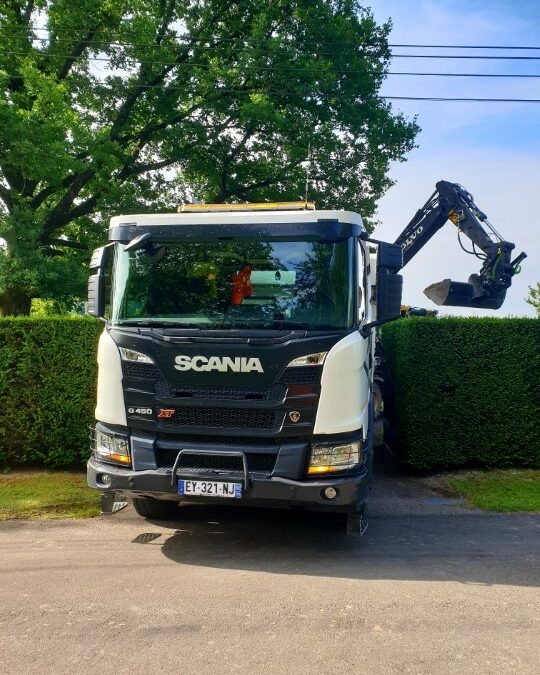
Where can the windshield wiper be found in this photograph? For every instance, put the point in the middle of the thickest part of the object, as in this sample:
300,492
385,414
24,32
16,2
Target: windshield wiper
290,324
158,322
302,325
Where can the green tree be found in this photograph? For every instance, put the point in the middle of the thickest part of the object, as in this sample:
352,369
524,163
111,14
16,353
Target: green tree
534,297
110,106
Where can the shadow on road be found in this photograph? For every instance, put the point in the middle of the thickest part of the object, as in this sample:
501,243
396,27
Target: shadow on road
411,536
480,549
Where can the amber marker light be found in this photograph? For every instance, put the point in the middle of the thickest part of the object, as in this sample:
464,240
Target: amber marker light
320,469
121,459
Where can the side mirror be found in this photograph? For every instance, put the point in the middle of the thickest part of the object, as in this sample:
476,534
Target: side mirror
96,295
96,282
389,291
389,286
389,257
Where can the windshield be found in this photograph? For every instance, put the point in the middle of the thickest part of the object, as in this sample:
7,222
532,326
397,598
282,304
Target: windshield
235,284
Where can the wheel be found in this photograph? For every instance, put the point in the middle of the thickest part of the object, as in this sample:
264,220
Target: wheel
377,399
159,509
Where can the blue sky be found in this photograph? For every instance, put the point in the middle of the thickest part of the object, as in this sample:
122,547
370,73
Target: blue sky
493,149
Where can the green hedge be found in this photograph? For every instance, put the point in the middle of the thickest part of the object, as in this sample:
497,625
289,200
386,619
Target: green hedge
463,391
47,389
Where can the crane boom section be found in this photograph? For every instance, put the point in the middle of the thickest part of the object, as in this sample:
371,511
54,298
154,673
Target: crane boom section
453,202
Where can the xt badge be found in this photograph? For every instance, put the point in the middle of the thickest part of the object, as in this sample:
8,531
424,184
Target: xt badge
165,413
294,415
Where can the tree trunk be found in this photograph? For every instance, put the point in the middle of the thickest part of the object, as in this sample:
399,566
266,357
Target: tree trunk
14,302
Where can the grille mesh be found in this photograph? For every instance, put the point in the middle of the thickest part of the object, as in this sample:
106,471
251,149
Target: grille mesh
274,393
228,418
187,440
145,371
301,375
257,462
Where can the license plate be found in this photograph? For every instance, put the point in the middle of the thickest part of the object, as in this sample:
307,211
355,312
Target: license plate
209,488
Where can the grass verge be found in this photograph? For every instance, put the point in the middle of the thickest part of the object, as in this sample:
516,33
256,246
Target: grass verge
46,495
499,490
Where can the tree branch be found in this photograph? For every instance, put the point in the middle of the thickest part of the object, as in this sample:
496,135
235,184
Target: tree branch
27,13
223,178
67,244
42,195
138,169
167,18
14,180
146,132
5,196
61,215
243,189
76,52
128,104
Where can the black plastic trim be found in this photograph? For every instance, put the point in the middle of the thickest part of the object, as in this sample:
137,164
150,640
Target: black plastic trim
293,231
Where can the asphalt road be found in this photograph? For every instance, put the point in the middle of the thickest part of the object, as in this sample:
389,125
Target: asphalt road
431,588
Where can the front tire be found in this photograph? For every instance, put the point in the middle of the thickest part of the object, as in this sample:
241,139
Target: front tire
155,509
378,401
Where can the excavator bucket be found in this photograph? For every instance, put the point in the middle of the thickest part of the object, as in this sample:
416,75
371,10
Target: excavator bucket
460,294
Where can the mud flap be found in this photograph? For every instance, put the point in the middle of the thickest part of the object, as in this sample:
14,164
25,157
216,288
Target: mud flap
357,523
112,502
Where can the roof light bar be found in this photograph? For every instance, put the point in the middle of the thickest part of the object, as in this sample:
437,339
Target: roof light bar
260,206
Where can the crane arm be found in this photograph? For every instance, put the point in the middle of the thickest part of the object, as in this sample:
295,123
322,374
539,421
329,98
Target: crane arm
486,290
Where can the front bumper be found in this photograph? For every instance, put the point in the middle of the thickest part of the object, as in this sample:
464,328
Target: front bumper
270,491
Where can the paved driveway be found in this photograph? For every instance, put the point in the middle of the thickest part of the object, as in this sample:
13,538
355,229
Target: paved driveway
431,588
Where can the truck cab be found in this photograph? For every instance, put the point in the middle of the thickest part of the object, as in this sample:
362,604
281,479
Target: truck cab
236,361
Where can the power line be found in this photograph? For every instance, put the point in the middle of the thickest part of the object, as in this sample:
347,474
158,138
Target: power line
66,29
295,93
465,56
186,64
472,100
318,52
460,46
170,88
281,92
185,41
262,67
468,74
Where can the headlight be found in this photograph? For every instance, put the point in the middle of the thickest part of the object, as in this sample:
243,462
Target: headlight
111,448
308,360
133,356
327,458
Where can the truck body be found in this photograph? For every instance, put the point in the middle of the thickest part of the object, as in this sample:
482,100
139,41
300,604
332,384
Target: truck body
233,365
237,359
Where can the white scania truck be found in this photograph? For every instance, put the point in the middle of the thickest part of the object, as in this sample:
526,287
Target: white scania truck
236,363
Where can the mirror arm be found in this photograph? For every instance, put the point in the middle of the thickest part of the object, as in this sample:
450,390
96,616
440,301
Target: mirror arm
366,329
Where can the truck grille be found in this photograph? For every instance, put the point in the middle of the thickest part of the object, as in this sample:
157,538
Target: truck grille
226,418
144,371
257,462
186,440
301,375
275,393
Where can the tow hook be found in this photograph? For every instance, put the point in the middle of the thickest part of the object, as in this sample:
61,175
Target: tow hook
112,502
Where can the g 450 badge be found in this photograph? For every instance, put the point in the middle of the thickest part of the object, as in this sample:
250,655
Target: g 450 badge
139,411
